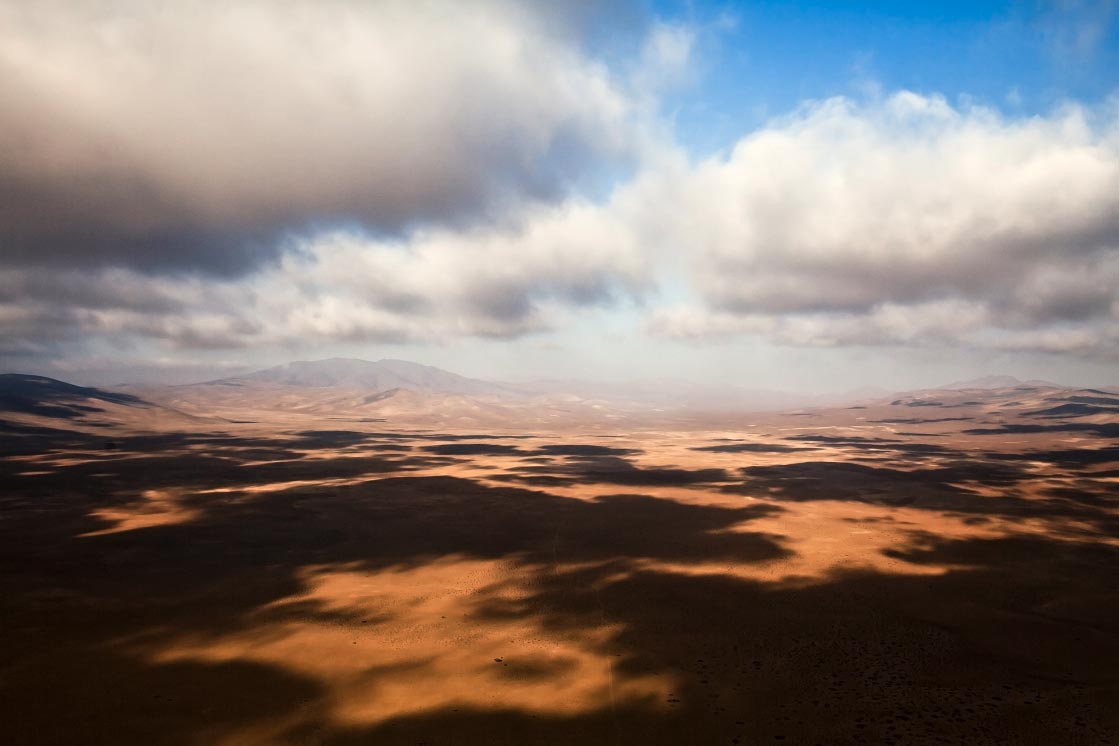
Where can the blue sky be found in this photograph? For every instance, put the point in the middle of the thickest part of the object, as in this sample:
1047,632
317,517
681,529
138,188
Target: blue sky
761,59
786,195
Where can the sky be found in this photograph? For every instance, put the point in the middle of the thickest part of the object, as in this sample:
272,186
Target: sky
797,196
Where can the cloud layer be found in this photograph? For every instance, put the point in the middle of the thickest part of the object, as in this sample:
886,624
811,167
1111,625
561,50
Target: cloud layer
199,176
193,135
343,286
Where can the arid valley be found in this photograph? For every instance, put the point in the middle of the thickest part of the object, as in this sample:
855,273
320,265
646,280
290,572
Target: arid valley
261,562
536,373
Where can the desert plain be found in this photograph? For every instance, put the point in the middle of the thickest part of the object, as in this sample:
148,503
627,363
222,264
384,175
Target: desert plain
248,566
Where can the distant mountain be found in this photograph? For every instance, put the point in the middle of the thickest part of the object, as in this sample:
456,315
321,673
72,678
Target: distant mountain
24,396
48,397
996,382
365,375
389,378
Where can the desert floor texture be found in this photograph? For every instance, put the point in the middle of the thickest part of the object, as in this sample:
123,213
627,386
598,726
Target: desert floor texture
937,570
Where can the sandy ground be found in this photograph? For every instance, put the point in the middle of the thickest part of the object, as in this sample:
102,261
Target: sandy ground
868,575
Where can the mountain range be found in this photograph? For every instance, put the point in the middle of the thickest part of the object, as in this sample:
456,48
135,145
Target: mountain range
996,382
354,374
399,390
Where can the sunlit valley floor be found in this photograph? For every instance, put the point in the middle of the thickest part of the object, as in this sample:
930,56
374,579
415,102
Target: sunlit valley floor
931,570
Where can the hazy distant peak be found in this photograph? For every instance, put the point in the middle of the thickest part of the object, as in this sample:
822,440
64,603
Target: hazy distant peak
984,382
407,365
382,375
997,382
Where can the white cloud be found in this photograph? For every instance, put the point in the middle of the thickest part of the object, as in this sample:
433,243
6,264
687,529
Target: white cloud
898,221
904,221
441,283
666,57
436,285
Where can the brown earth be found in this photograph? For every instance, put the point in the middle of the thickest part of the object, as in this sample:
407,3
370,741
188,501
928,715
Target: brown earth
942,569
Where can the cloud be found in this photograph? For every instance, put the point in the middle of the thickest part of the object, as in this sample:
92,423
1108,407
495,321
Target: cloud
905,221
440,284
437,284
195,135
666,57
417,172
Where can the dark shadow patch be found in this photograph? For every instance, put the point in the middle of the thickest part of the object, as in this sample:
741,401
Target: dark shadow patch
534,480
873,444
840,439
1072,410
472,449
575,449
614,470
1106,430
46,397
315,439
934,488
918,420
750,448
536,668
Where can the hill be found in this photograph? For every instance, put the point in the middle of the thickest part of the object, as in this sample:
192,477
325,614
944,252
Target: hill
365,375
32,397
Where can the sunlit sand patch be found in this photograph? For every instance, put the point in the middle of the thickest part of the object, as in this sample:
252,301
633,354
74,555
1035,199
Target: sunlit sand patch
405,641
158,508
825,537
76,459
464,469
255,489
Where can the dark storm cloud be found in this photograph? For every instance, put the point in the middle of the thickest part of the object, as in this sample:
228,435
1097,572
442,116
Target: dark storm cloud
193,135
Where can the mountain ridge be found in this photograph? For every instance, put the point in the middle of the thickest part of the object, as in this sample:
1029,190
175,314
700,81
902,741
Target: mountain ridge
42,396
355,387
996,382
356,374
